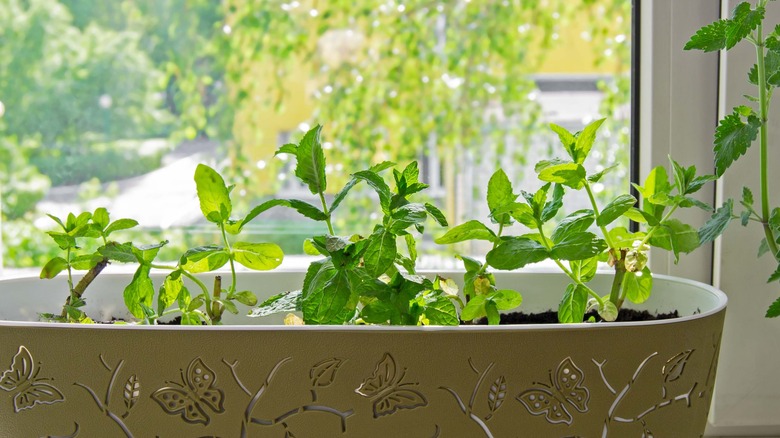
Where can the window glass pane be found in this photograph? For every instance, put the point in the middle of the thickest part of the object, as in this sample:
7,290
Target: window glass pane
114,103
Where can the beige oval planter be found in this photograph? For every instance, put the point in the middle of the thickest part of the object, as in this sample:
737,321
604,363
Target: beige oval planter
589,380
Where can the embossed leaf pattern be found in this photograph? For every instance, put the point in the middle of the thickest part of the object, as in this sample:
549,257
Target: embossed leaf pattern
497,394
324,373
132,391
674,367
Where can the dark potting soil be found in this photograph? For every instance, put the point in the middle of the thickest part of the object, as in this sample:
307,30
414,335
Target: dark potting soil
551,317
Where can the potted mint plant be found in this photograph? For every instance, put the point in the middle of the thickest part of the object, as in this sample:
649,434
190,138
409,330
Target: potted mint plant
394,360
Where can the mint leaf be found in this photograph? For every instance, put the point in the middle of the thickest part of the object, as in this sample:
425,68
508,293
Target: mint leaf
569,174
673,235
568,140
744,20
139,292
717,224
406,216
213,194
441,311
499,194
120,224
100,218
585,140
732,139
204,259
638,285
258,256
506,299
310,166
54,267
301,207
584,270
436,214
596,177
289,148
342,194
576,222
551,208
169,291
474,309
471,230
710,38
572,307
578,246
775,275
379,185
615,209
380,252
122,253
515,253
283,302
328,305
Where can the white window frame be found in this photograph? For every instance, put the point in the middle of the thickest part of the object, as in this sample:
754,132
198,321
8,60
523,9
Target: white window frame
682,95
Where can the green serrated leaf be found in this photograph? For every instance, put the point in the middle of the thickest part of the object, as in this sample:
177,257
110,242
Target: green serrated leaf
499,195
63,240
140,292
169,291
710,38
744,20
310,166
638,286
379,185
747,197
328,304
120,224
584,270
673,235
85,262
733,137
615,209
572,307
585,140
569,174
596,177
204,259
441,311
258,256
54,267
717,224
774,309
515,253
576,222
281,303
213,194
406,216
578,246
551,208
471,230
380,252
301,207
100,218
436,214
289,148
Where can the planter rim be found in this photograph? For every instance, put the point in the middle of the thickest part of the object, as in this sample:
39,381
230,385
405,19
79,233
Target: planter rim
720,298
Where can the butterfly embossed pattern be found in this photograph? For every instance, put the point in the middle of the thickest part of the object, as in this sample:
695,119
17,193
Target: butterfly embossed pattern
566,388
190,398
22,379
388,390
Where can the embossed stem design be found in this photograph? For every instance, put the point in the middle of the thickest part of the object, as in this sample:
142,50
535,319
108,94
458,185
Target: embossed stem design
468,411
623,392
665,403
306,408
105,407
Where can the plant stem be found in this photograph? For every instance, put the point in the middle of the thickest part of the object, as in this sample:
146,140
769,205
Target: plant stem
763,104
568,272
327,214
615,295
596,215
655,227
230,257
77,291
495,244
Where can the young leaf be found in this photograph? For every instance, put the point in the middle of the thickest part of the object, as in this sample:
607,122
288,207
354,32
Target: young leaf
572,306
169,291
258,256
732,139
675,236
379,185
717,224
615,209
289,148
568,140
120,224
579,246
744,20
568,174
310,157
139,292
471,230
515,253
380,252
406,216
342,194
585,140
551,208
474,309
499,194
301,207
213,194
204,259
710,38
441,311
596,177
584,270
774,309
436,214
506,299
491,311
638,285
54,267
576,222
100,218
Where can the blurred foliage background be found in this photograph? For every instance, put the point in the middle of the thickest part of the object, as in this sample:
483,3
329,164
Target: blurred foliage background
86,87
